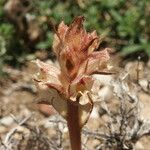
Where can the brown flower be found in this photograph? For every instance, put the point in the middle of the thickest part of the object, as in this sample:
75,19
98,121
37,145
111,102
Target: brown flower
72,81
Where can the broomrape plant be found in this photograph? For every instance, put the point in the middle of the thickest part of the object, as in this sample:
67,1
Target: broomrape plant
68,88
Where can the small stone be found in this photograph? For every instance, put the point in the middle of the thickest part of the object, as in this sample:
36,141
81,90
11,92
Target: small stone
3,129
144,84
139,145
7,121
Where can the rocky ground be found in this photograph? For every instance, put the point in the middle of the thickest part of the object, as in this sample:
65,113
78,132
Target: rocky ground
120,119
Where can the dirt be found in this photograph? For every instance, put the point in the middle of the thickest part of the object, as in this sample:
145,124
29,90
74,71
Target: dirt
17,95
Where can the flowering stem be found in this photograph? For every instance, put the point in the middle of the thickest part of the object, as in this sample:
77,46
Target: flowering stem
73,126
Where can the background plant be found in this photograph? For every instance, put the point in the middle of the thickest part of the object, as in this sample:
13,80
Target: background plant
122,24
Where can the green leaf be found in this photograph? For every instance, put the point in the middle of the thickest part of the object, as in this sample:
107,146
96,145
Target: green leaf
116,15
147,48
131,48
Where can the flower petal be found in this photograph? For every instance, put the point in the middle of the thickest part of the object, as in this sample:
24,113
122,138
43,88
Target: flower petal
94,43
97,62
74,34
62,29
59,38
49,75
80,84
52,97
85,107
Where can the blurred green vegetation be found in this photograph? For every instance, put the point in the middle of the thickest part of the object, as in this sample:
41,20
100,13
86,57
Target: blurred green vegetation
122,24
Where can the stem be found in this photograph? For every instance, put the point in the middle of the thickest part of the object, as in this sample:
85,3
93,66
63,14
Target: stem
73,126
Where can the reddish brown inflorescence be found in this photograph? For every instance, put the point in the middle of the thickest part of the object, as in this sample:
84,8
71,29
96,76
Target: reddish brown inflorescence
72,81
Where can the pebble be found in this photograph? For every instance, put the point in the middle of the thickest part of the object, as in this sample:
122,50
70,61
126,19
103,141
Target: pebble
144,84
139,146
3,129
7,121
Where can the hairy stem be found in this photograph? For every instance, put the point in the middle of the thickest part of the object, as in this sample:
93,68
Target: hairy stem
73,126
